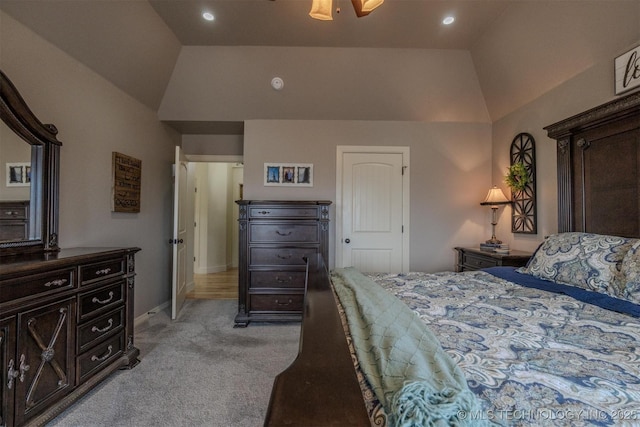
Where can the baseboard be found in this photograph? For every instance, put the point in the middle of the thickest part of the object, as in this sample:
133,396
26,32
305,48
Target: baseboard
211,269
149,314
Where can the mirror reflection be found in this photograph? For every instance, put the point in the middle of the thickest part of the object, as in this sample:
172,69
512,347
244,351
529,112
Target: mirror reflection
15,186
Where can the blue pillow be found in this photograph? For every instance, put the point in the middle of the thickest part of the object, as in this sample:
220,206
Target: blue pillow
585,260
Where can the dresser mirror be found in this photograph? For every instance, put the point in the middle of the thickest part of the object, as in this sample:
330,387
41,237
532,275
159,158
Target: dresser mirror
29,160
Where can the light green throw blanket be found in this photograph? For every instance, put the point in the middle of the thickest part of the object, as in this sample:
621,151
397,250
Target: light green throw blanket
415,380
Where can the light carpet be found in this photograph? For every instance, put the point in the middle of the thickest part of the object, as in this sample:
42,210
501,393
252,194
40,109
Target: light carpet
195,371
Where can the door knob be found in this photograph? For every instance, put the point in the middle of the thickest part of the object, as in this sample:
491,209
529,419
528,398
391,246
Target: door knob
347,241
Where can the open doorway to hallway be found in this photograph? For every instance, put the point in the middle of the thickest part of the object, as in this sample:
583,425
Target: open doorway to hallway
215,188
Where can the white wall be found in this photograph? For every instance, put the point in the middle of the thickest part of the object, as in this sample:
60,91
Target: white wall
94,118
216,233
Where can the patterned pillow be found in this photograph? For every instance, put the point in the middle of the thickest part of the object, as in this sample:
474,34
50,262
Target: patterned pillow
630,273
585,260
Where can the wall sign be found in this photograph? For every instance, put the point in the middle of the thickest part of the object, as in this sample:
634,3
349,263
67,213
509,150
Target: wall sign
627,70
127,172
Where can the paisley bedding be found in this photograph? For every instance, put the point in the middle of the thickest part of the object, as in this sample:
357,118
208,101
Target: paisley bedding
533,357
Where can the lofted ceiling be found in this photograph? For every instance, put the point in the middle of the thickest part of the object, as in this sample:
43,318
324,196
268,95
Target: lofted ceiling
135,43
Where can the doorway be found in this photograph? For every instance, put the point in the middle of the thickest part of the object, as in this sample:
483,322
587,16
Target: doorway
372,212
215,186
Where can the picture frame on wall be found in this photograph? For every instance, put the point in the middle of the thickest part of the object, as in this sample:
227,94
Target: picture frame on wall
18,174
288,174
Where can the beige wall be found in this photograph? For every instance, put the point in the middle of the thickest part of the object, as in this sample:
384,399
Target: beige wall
13,149
450,173
584,91
233,84
94,118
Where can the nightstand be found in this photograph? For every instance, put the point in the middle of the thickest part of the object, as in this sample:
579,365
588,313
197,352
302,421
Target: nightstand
474,259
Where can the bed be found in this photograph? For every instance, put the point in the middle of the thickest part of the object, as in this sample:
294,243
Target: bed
555,342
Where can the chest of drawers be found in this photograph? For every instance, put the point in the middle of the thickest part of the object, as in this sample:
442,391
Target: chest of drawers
66,323
275,237
14,220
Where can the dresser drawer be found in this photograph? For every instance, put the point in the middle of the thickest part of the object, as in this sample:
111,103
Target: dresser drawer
98,328
279,255
477,262
288,212
37,284
14,230
92,272
277,279
101,300
276,302
284,233
14,211
101,355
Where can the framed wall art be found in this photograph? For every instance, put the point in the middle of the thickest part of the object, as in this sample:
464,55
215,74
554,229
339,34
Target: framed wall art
288,174
18,174
522,181
127,173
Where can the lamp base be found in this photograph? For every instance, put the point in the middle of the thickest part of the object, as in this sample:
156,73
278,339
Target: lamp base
494,241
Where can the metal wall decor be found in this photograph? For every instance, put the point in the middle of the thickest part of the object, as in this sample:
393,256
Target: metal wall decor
524,213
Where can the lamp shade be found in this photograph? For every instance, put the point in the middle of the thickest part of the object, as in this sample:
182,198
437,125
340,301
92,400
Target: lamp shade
495,197
322,9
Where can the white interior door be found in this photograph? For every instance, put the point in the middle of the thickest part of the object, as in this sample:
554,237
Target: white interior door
179,282
373,213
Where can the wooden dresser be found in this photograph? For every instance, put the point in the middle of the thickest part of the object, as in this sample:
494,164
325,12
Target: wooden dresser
14,220
275,237
66,323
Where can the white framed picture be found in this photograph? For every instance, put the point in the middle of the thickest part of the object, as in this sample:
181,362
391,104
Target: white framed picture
18,174
288,174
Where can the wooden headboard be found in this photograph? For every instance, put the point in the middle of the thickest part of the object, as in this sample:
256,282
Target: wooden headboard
598,169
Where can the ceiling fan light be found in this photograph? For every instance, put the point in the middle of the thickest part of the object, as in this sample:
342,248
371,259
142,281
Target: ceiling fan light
364,7
369,5
321,9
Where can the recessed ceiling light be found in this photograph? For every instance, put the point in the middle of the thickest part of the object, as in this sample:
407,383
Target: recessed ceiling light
448,20
208,16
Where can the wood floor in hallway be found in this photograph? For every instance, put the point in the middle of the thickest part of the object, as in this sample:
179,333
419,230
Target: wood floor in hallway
223,285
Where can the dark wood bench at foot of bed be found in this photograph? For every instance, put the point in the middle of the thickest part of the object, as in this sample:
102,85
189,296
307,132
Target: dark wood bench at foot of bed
320,388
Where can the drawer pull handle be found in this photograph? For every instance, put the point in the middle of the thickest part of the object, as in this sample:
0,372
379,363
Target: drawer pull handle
279,233
105,329
103,271
12,374
284,256
105,357
284,303
23,368
108,300
57,282
264,212
288,279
